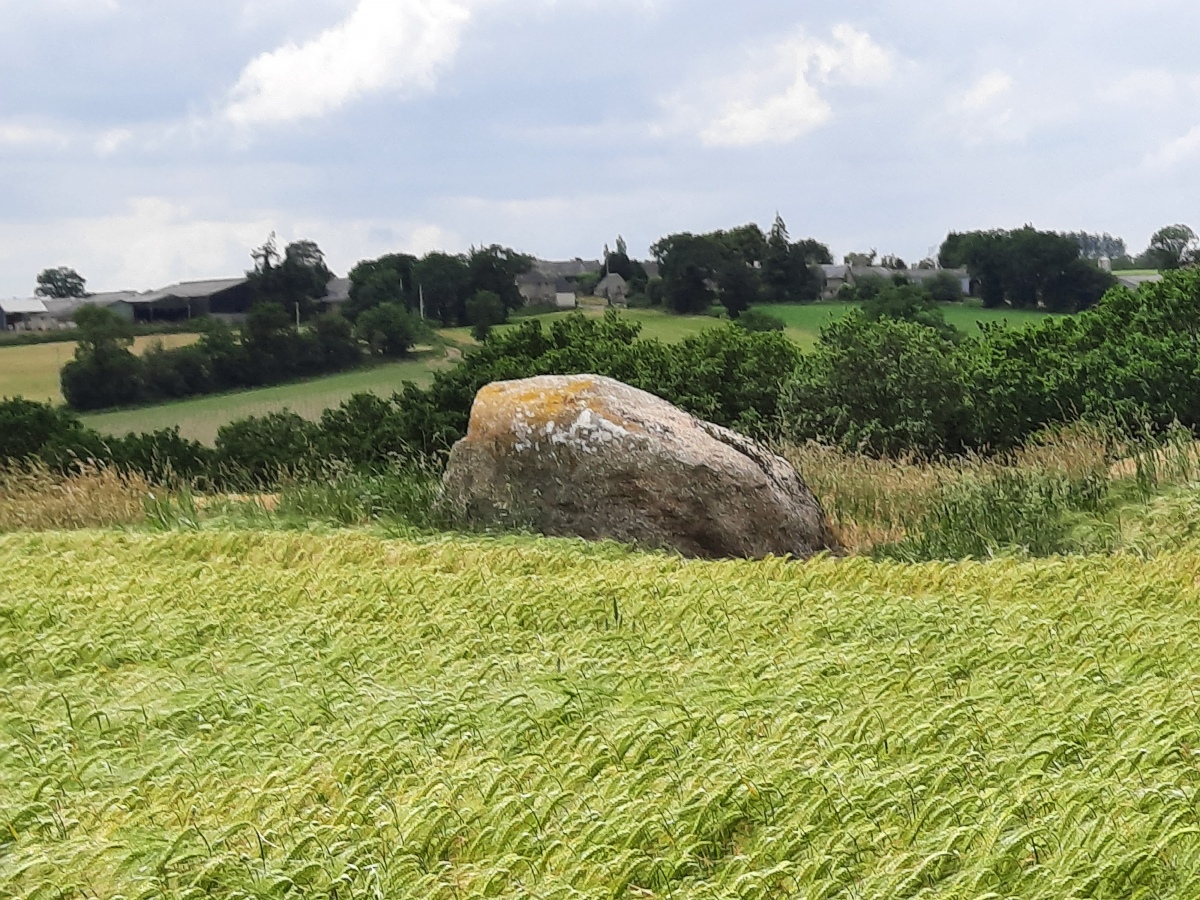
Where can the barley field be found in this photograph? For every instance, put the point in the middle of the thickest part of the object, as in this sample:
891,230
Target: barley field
220,713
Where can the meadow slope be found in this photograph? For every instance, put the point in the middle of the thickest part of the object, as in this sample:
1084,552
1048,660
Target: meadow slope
255,714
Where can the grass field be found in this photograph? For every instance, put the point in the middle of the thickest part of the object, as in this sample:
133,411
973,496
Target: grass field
251,714
32,371
200,418
805,321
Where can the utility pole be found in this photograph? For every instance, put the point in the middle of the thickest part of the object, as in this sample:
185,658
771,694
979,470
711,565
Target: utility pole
421,293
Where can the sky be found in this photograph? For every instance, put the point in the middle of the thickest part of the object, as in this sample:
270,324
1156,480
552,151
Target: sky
144,142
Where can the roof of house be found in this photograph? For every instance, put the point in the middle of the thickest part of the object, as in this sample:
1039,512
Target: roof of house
14,306
652,271
834,271
189,290
611,281
926,274
562,286
1136,281
568,268
536,277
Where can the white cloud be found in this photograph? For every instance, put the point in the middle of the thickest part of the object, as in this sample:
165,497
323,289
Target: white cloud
782,94
1175,151
986,113
383,45
22,134
156,241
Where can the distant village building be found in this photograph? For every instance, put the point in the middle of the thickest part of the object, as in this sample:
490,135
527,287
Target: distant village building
18,313
538,288
1133,282
564,294
613,288
840,276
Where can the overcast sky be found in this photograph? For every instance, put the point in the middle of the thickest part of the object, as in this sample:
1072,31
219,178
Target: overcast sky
144,142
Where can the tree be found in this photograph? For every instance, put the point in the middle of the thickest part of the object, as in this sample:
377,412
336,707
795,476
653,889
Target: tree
1027,268
388,279
903,301
1095,246
788,273
295,281
945,287
389,329
495,269
1172,247
445,283
618,262
104,372
61,283
485,310
690,265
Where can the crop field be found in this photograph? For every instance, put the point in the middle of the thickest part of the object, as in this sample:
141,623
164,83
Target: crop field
31,371
199,418
222,713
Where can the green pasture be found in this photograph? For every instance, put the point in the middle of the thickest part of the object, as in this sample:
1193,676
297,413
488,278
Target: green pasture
200,418
238,714
805,320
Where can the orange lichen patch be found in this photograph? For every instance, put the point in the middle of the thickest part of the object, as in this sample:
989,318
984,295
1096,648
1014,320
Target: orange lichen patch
505,410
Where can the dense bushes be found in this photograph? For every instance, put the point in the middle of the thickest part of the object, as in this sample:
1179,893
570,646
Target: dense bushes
889,386
269,350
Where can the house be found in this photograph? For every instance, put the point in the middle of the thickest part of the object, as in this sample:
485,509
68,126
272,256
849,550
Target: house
19,314
836,277
613,288
564,294
570,268
538,288
1133,282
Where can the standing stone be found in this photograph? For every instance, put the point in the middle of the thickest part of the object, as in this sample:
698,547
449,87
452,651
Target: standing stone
588,456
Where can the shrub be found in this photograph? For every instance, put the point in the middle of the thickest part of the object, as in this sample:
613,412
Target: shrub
485,310
258,451
885,387
389,329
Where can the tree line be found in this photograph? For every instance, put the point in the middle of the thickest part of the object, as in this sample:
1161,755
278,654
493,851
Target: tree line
888,384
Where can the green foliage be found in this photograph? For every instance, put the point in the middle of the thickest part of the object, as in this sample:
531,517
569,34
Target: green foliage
1172,247
260,450
884,387
295,281
1027,269
387,280
906,302
104,372
1024,511
270,350
944,287
485,310
389,329
60,283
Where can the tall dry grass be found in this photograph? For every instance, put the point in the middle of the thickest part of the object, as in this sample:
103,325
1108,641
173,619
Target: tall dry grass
32,498
872,501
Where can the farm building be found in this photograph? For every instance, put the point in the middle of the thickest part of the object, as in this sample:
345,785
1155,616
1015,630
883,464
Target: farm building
538,288
564,294
613,288
19,313
223,297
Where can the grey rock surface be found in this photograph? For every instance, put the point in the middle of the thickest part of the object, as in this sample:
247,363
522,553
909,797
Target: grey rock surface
588,456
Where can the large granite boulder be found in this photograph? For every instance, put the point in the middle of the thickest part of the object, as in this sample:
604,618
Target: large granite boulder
588,456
